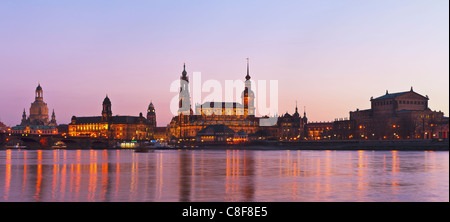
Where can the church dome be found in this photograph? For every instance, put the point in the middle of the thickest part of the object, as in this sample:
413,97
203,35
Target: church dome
39,88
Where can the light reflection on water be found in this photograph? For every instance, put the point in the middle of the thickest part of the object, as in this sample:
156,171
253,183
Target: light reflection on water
223,175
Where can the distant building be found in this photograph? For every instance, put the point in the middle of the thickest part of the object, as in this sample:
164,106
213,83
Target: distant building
3,128
216,133
402,115
292,127
38,121
343,129
161,133
236,116
35,130
238,120
114,127
240,137
319,130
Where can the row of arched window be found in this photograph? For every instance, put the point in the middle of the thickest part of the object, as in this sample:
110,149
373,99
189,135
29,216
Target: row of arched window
400,102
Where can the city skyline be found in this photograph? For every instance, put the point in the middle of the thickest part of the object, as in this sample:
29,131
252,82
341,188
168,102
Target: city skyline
330,63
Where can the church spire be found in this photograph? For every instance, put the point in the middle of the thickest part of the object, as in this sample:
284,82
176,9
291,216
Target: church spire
24,118
248,73
184,105
53,120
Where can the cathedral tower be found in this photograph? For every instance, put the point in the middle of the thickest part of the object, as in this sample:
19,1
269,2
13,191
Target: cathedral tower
184,96
106,112
151,115
53,121
248,96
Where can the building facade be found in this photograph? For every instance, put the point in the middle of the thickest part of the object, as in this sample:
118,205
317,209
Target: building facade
114,127
237,120
3,128
402,115
319,130
292,127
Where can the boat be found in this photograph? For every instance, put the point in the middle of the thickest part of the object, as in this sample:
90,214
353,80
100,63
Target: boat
149,146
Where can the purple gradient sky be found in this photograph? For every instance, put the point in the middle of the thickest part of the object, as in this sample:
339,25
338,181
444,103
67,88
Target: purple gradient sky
331,56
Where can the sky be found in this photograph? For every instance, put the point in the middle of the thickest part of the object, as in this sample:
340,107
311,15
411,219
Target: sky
329,56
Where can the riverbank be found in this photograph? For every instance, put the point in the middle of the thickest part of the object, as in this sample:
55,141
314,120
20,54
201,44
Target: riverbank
405,145
411,145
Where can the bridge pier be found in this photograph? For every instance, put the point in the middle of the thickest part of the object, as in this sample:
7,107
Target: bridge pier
88,143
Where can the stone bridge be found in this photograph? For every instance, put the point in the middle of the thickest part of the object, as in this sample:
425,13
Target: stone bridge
51,141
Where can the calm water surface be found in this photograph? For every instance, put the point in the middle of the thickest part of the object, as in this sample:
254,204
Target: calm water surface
223,175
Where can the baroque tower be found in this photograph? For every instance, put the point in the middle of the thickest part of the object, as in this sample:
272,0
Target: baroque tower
248,96
184,96
151,114
106,112
53,121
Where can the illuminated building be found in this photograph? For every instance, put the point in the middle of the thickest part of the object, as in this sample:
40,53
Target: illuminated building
235,116
402,115
319,130
343,129
216,133
229,121
114,127
292,127
37,123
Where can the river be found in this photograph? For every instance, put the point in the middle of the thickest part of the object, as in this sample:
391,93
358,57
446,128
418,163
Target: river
223,176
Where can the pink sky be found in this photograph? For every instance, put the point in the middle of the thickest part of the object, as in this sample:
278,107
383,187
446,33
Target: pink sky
330,56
